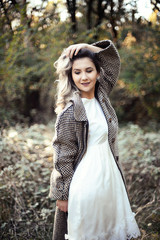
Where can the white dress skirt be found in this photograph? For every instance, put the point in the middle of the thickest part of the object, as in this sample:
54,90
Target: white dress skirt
98,205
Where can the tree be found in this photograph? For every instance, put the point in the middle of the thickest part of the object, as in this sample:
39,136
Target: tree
141,69
71,5
22,59
109,11
89,13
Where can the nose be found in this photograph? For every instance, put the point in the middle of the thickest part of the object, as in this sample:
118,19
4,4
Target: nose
84,76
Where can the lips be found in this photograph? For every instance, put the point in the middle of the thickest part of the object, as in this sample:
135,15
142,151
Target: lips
85,84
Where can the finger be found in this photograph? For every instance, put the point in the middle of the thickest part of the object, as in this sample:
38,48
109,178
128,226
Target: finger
79,47
72,52
58,207
77,51
63,209
68,50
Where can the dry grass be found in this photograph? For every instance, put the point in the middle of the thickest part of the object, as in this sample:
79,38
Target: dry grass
26,162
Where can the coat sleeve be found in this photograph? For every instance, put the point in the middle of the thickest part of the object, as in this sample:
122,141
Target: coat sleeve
65,151
109,61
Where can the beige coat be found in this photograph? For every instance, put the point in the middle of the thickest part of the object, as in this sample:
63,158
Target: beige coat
70,142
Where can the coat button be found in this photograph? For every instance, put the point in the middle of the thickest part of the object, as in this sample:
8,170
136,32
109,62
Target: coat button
110,120
103,100
113,140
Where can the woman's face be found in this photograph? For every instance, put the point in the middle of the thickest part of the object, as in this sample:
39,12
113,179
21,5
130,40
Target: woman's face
84,75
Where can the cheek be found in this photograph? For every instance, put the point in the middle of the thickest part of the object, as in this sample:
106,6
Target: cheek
94,77
75,80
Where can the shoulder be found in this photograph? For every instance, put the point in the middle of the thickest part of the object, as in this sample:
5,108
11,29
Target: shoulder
65,124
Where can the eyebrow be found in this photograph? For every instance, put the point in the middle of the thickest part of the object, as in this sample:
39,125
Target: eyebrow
85,68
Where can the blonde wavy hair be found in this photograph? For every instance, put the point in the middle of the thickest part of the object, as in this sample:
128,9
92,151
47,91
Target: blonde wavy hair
65,85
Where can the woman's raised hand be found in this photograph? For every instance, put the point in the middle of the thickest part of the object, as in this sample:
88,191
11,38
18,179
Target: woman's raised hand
74,49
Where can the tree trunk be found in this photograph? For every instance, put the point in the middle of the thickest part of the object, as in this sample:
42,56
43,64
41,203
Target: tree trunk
99,13
89,13
113,21
71,5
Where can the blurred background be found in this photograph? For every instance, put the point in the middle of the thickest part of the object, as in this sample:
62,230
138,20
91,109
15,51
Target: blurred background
33,34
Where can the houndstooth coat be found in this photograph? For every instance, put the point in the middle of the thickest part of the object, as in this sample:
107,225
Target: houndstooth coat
70,142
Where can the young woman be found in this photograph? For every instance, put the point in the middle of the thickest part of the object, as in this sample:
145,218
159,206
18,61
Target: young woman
87,179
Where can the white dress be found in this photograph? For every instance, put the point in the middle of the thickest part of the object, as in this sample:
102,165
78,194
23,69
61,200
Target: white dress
98,205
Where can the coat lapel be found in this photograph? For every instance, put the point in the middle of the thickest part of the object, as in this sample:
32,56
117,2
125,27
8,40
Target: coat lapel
79,110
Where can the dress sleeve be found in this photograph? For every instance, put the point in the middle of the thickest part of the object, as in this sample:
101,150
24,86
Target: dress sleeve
109,61
65,150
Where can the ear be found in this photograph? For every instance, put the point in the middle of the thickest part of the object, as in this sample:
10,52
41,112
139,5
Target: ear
98,76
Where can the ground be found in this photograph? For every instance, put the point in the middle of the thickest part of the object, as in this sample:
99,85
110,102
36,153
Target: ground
26,162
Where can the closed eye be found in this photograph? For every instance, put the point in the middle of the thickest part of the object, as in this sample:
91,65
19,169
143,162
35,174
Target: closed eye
89,70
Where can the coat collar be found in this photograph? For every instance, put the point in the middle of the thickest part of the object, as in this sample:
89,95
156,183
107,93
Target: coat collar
79,110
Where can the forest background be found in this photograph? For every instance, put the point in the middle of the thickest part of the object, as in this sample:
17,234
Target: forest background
31,39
